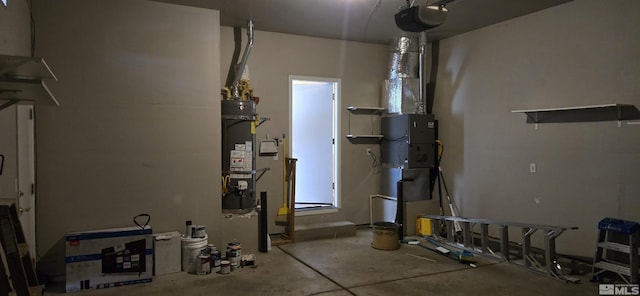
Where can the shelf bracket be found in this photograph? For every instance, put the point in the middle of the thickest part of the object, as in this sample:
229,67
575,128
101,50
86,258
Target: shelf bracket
619,109
263,120
261,173
8,104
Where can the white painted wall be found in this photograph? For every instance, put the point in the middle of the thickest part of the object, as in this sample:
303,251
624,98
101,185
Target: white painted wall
584,52
15,29
138,127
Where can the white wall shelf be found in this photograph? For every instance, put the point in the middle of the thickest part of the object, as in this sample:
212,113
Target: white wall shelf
364,138
376,137
607,112
22,81
365,110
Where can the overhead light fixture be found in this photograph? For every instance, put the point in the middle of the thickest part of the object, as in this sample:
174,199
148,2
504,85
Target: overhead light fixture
420,18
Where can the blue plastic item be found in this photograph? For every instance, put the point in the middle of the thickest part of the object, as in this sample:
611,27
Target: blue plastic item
618,225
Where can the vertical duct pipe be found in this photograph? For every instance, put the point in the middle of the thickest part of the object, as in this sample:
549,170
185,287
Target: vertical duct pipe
243,63
433,76
421,71
262,224
400,209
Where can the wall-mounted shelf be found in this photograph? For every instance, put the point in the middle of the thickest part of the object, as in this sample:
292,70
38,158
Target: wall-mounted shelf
364,138
21,81
607,112
376,137
365,110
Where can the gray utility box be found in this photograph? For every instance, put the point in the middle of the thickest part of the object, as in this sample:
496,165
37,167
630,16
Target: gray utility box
409,140
415,186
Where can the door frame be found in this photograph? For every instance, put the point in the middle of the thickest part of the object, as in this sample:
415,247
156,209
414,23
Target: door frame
26,180
337,122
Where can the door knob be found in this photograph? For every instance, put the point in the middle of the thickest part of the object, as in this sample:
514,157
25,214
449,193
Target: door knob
21,209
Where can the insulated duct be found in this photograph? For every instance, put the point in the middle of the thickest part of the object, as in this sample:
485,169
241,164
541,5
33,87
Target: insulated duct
402,88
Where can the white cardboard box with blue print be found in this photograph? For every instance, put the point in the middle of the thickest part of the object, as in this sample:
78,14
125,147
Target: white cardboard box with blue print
108,258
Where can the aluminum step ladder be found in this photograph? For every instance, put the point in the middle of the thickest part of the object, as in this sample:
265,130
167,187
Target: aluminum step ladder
621,237
466,240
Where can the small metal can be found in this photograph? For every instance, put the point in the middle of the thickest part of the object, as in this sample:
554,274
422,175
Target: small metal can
216,257
204,264
225,267
200,231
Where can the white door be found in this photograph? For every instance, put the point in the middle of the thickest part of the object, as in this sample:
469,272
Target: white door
18,174
313,133
25,201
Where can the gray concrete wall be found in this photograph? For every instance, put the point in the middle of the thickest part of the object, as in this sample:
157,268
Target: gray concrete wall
584,52
361,68
138,127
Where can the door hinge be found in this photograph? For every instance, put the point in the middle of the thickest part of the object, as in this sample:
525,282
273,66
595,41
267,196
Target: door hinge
333,186
33,189
333,141
31,114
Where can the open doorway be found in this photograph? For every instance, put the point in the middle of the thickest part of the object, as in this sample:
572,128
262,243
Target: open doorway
314,126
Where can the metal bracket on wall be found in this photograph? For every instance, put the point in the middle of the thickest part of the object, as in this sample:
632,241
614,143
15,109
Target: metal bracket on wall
8,104
525,255
261,172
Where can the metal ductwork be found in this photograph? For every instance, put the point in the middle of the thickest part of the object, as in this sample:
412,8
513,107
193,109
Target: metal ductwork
408,148
402,88
239,68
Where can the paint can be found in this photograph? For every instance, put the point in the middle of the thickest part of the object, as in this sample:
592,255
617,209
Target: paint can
191,249
233,266
233,256
385,236
203,265
234,246
225,267
216,257
199,231
234,251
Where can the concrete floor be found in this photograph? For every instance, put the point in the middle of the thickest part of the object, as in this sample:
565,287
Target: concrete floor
350,266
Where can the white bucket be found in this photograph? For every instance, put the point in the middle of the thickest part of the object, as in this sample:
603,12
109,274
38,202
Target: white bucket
191,248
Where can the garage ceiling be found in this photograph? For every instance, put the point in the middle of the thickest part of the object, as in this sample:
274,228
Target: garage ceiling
360,20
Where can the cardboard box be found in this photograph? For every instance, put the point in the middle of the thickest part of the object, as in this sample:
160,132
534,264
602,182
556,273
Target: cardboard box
108,258
166,253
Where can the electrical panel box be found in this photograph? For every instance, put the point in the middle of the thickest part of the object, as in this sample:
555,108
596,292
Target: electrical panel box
409,140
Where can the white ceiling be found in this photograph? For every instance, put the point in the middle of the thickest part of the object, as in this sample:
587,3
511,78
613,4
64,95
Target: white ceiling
360,20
